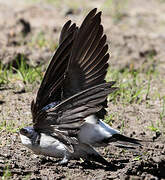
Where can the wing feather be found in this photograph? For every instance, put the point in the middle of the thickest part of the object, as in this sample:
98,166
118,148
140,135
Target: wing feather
50,88
75,108
88,62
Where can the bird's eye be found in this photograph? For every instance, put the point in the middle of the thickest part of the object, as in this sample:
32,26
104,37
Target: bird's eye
23,131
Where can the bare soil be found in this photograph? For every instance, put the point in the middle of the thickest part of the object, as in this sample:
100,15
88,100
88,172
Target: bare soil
139,33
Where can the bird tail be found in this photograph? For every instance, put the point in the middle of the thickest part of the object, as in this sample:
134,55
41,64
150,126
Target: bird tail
122,141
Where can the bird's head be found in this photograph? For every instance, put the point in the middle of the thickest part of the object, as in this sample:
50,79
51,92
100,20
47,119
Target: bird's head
28,136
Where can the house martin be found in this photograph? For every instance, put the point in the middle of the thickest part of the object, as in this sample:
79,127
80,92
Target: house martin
69,107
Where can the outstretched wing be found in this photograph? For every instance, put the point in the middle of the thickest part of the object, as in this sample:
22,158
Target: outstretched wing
64,120
88,61
50,88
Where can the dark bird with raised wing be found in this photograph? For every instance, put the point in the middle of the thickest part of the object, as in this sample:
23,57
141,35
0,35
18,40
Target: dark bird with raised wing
69,107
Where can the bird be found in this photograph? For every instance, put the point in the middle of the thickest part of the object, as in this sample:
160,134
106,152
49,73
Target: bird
70,105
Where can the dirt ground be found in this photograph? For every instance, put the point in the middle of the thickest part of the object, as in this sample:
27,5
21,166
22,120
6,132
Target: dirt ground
135,30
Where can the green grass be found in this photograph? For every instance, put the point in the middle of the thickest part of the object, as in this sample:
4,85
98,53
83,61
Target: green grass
4,79
153,128
137,158
6,173
23,72
134,85
131,86
10,77
8,126
109,119
28,74
138,87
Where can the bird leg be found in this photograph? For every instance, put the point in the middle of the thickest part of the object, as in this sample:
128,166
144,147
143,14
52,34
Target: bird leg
65,160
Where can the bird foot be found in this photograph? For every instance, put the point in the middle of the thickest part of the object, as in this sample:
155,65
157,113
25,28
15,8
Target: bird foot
64,161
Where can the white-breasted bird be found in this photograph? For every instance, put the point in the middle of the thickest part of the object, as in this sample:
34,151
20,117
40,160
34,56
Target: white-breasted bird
69,108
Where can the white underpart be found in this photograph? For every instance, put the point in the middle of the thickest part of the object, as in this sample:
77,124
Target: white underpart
49,146
26,141
94,131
